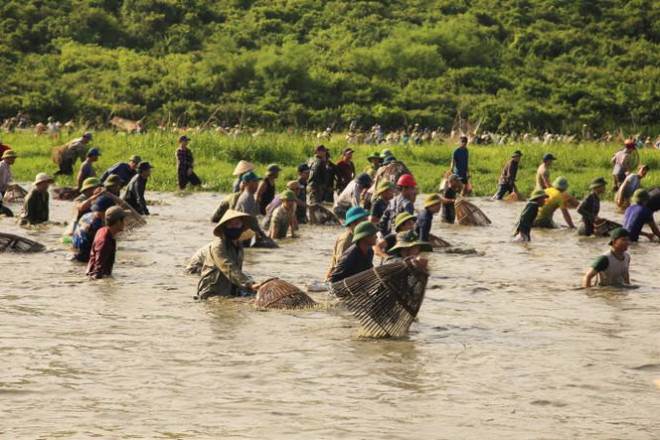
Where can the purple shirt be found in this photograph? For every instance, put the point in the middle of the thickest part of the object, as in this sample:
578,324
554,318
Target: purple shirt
634,219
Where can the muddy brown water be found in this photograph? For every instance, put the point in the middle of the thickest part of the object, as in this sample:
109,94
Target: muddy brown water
506,345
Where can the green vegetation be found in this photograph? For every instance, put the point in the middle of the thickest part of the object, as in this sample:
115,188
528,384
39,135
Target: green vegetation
216,156
520,64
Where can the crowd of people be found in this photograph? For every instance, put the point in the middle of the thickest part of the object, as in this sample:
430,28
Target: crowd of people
376,206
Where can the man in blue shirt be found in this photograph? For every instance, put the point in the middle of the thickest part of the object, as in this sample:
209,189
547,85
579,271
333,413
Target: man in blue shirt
459,163
637,215
125,170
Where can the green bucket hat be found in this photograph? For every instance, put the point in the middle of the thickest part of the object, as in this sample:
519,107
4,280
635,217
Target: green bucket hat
386,152
597,183
389,159
113,180
288,195
272,169
363,230
90,183
135,158
561,183
538,194
402,218
374,155
640,196
432,199
384,186
618,233
407,240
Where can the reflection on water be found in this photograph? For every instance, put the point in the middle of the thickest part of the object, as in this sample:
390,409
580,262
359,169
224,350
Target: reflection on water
506,344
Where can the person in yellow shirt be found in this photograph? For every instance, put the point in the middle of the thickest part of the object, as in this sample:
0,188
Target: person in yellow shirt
557,198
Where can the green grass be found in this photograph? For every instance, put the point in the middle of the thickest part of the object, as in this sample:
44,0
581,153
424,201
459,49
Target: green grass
216,156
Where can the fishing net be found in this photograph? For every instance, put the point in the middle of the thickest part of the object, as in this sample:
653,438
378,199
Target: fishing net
278,294
438,242
320,215
133,219
14,194
14,243
603,227
124,124
384,299
64,193
468,214
264,242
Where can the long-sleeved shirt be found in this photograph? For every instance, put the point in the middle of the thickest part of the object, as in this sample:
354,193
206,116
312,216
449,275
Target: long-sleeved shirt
588,209
134,194
222,273
121,169
246,203
342,243
184,160
228,202
396,206
423,225
350,196
345,173
5,176
526,219
83,236
35,207
102,255
352,262
509,173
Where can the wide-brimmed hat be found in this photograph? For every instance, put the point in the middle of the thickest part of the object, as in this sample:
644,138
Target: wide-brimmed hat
135,159
144,166
230,214
516,153
618,233
113,180
538,194
93,152
90,183
384,186
355,213
432,199
389,159
402,218
640,196
597,183
549,157
42,177
561,183
293,185
272,169
363,230
288,195
386,152
364,179
8,154
103,203
250,176
114,213
242,167
407,240
374,155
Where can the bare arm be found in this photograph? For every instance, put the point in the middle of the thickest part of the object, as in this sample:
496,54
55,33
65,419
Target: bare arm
588,277
379,249
567,218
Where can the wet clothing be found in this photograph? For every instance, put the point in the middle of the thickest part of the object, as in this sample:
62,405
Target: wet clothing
342,243
222,272
121,169
5,176
654,200
628,187
423,224
86,170
83,236
612,270
184,161
396,206
542,172
330,178
102,255
449,209
35,207
82,198
352,262
345,170
556,200
588,209
460,158
267,196
526,219
507,182
134,194
197,261
634,219
377,210
228,202
301,211
317,180
246,203
351,196
73,150
280,222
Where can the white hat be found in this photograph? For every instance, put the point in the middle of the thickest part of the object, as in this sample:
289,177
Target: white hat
42,177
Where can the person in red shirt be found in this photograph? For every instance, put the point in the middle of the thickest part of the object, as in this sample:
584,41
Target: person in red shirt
345,169
3,148
102,256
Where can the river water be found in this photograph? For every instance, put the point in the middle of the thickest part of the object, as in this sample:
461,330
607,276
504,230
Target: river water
506,346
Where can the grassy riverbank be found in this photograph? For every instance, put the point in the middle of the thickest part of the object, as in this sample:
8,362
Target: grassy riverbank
216,156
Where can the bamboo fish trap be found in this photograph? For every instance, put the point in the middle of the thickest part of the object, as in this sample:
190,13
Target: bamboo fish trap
384,299
468,214
14,243
278,294
320,215
132,221
438,242
64,193
603,227
14,194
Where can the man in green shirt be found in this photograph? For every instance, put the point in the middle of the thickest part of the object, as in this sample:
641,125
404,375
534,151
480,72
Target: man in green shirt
613,267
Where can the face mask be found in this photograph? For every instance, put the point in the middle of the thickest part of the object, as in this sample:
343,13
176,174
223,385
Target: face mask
233,233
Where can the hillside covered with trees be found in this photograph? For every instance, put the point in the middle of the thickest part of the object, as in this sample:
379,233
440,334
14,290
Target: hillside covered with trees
520,64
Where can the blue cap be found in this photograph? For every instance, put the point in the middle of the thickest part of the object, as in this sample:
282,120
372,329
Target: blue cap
102,203
184,138
364,179
94,152
250,177
88,135
355,213
303,167
549,157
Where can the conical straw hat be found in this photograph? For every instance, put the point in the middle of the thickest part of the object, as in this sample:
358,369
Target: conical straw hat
243,167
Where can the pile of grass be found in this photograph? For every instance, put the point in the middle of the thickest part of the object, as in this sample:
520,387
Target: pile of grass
216,156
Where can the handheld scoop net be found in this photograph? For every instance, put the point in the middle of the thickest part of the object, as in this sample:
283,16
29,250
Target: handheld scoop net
14,243
468,214
603,227
132,221
64,193
384,299
438,242
320,215
14,194
278,294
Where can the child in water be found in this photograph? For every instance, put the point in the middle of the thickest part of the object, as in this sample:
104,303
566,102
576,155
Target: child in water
523,227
